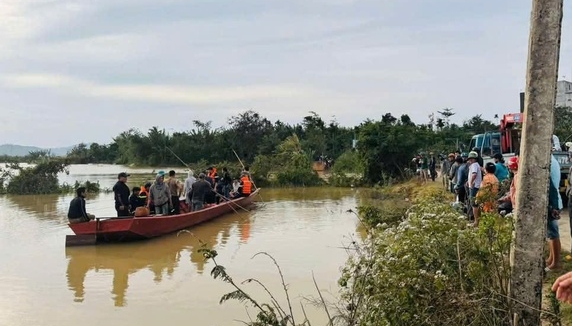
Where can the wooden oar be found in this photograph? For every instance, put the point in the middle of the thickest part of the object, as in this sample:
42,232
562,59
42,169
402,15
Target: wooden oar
229,201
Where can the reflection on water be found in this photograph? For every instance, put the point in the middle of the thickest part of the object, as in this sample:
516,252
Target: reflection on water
42,205
160,256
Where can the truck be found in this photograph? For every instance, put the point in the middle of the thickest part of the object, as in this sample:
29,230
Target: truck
507,142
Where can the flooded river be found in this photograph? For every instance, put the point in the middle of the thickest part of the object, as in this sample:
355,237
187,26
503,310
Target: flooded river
165,281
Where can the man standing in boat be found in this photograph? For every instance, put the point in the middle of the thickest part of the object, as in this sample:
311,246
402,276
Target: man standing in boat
121,193
175,188
199,190
77,212
188,184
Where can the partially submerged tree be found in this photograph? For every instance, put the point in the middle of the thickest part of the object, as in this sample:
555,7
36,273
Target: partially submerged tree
39,179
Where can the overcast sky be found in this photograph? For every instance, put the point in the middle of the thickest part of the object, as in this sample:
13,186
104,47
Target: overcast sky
83,71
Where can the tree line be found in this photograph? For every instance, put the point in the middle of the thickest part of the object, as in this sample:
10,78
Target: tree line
383,147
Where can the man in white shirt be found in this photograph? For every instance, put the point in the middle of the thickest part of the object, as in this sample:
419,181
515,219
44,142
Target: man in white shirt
474,183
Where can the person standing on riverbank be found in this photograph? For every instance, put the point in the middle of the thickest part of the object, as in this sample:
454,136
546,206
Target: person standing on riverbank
474,184
488,193
501,171
445,169
554,208
121,193
424,168
452,175
462,177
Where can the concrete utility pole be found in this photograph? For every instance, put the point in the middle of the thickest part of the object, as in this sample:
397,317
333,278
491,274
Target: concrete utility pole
534,162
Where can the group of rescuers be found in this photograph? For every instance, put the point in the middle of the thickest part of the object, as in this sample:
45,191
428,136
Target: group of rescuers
163,197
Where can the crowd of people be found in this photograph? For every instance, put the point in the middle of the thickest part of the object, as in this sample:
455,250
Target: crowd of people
163,197
492,187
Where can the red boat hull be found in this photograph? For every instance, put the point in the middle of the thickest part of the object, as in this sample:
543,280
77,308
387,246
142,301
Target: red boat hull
139,228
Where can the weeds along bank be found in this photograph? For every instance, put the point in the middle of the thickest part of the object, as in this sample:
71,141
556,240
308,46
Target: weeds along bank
423,265
420,264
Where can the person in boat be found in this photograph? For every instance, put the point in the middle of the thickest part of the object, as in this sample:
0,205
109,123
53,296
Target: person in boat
219,191
160,195
226,182
245,188
77,212
188,184
175,187
199,191
121,193
235,188
136,200
144,195
212,172
246,171
210,197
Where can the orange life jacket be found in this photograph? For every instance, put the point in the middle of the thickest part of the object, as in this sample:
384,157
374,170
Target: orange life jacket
213,173
246,185
144,192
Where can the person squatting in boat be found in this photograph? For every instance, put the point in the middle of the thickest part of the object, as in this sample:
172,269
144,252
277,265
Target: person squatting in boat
77,212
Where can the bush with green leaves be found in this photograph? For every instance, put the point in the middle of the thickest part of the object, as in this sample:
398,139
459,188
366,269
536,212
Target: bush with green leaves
430,269
41,178
290,166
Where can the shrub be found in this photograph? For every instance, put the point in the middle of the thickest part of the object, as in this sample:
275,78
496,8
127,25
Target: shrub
430,269
39,179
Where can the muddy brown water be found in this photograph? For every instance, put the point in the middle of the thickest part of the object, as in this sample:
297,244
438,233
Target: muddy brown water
165,281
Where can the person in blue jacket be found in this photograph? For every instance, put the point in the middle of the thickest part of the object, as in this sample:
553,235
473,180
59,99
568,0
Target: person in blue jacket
501,171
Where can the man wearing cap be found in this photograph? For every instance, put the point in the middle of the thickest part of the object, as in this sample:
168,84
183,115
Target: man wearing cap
121,194
474,183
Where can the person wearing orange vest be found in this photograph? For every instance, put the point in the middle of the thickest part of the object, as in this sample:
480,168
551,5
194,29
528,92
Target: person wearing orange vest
212,172
245,186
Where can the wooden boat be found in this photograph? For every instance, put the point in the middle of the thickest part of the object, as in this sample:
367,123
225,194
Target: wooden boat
140,228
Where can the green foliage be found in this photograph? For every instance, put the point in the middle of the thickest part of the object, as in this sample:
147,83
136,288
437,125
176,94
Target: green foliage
430,269
91,187
386,147
563,123
347,170
289,166
39,179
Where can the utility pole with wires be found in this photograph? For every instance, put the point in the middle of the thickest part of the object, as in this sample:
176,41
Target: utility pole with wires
527,262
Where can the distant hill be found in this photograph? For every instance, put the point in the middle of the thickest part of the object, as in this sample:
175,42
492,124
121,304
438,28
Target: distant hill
19,150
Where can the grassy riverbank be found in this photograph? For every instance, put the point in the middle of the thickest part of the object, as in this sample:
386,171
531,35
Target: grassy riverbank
421,263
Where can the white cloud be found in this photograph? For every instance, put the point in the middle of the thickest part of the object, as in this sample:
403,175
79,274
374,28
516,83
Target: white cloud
157,93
